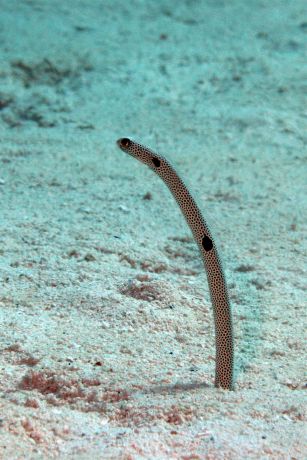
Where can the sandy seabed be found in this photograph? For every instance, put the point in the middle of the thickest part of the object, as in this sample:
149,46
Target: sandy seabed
107,343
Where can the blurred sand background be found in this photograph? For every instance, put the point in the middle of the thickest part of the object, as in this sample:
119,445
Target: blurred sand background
107,338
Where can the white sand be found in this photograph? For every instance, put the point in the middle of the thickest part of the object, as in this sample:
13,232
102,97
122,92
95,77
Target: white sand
107,329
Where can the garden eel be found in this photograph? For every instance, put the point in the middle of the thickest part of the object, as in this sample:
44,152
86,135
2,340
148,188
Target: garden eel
202,236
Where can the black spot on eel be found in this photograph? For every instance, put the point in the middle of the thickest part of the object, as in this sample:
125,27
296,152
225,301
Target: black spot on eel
216,279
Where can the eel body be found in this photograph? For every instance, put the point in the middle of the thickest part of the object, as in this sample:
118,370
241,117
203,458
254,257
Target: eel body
215,275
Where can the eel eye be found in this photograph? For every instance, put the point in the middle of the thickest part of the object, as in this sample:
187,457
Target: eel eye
156,161
125,142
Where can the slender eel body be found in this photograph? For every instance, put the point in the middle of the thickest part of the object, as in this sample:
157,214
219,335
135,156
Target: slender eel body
202,236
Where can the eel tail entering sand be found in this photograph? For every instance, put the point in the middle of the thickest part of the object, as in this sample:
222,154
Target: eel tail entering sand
216,279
